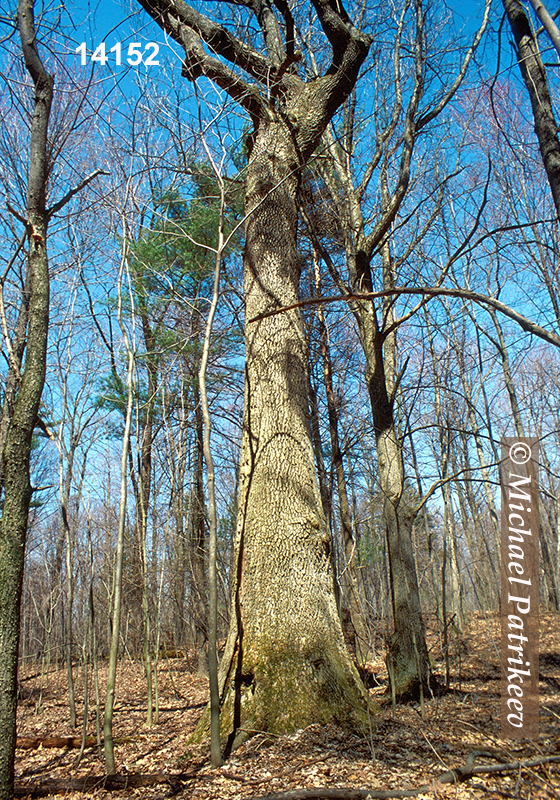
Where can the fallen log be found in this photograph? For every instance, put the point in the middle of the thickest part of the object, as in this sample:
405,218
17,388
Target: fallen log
90,783
69,742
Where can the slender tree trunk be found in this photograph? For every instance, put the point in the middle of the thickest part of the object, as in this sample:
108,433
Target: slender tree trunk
17,447
199,530
432,551
215,749
550,550
351,568
85,667
147,634
66,533
69,626
407,659
145,487
324,483
551,577
158,626
177,449
93,637
119,555
448,534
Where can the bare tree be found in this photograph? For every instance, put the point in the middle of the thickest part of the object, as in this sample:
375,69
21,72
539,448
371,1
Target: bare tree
16,447
366,235
285,645
119,555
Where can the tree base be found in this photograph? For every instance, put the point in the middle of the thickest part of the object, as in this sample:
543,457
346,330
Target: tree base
409,670
408,688
287,691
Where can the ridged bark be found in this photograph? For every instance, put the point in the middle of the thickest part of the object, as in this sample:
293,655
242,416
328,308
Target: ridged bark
286,663
291,665
17,448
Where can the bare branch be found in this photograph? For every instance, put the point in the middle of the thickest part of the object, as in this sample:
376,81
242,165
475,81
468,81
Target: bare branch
408,140
548,22
397,108
18,215
429,291
426,118
71,192
173,15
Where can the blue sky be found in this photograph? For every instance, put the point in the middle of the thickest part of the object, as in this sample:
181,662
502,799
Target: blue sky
123,21
112,22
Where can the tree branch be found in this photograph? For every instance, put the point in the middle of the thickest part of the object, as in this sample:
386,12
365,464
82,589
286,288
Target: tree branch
426,118
429,291
548,22
270,28
337,26
172,15
33,62
408,141
71,192
198,63
284,9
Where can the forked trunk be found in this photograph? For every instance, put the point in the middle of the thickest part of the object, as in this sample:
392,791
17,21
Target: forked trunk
285,663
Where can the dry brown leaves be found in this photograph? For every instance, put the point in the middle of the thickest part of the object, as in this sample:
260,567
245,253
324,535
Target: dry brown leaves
407,747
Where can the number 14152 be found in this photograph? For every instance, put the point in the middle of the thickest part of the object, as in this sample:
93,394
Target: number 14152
135,55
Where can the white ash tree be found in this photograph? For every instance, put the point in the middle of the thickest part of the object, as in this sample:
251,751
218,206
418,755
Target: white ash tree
285,663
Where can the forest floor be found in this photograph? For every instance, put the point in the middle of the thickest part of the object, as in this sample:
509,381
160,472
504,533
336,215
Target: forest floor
408,747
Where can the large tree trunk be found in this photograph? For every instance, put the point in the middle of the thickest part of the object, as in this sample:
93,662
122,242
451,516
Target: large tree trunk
17,448
286,664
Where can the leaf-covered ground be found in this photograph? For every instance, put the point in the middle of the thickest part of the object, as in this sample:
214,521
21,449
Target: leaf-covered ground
407,747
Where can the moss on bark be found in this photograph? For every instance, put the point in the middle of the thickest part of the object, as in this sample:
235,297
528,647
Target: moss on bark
279,692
